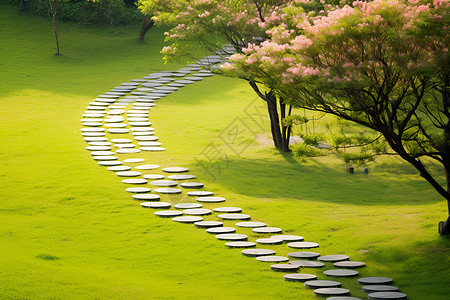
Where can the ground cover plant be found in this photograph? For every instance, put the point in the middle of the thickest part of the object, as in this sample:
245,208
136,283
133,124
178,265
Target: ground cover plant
69,230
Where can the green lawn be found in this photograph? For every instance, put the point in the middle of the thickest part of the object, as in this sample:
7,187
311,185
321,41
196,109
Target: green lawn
69,230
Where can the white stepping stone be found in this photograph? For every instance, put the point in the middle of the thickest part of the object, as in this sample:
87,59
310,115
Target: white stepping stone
110,163
333,258
98,148
147,167
119,168
118,130
95,139
95,107
289,238
129,174
101,153
192,78
303,245
349,264
298,277
134,119
269,241
191,185
168,213
207,199
188,206
323,292
307,263
208,224
92,124
118,141
114,120
373,288
127,151
156,205
231,236
146,138
316,284
90,134
272,258
139,108
154,176
374,280
284,268
136,111
98,104
185,81
100,144
153,148
134,129
197,211
228,209
116,125
169,183
267,230
130,83
146,197
221,230
107,100
143,133
134,181
181,177
187,219
138,190
133,160
109,96
387,296
167,191
251,224
122,146
144,104
258,252
116,112
234,216
92,115
304,255
105,157
240,244
341,273
175,170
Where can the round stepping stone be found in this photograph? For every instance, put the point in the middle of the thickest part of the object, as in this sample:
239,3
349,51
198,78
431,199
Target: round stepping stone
150,144
289,238
331,292
112,120
132,119
298,277
191,185
197,211
176,84
220,230
188,206
234,216
92,115
92,124
175,170
147,167
267,230
228,209
343,298
118,130
185,81
134,181
317,284
129,174
105,157
258,252
110,163
115,112
91,120
272,258
387,296
284,267
251,224
269,241
95,107
307,263
98,148
304,255
164,183
372,288
123,146
167,191
349,264
140,124
138,190
333,258
231,236
133,160
203,196
187,219
156,205
153,148
181,177
192,78
341,273
240,244
208,224
95,139
93,134
153,176
303,245
168,213
119,141
116,125
100,144
143,133
146,138
374,280
119,168
146,197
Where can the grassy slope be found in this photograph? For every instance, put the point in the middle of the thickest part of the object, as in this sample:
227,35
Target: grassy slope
69,230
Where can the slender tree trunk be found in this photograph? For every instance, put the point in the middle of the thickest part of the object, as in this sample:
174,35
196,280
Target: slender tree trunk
53,8
147,23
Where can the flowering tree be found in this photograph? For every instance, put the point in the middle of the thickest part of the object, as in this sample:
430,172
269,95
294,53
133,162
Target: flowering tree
382,64
201,25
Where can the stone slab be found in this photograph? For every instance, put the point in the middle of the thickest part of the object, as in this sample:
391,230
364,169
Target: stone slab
168,213
234,216
240,244
188,206
105,157
197,211
258,252
129,174
147,167
98,148
119,168
228,209
150,144
169,183
307,263
251,224
204,196
333,258
267,230
138,190
316,284
134,181
304,255
181,177
284,267
303,245
299,277
373,288
349,264
192,185
341,273
175,170
110,163
133,160
118,130
289,238
146,197
156,205
269,241
167,191
231,236
208,224
118,141
387,296
153,148
221,230
374,280
323,292
187,219
272,258
146,138
154,176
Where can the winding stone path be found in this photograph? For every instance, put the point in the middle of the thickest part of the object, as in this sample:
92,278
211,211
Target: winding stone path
124,113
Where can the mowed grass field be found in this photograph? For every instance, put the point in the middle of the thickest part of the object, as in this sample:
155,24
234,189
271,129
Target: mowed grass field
69,230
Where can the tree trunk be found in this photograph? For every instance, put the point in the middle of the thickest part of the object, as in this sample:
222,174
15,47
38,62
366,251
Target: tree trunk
53,7
147,23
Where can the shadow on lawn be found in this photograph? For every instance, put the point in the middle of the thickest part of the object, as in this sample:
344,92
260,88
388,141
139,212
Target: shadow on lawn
314,180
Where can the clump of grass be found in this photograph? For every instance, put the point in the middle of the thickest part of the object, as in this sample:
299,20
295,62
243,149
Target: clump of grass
46,256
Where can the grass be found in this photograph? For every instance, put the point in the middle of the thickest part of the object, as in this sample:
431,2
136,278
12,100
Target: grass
68,230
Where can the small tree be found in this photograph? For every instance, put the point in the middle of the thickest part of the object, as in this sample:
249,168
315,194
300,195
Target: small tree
382,64
53,9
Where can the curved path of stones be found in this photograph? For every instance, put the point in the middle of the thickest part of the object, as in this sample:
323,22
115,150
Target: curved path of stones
126,108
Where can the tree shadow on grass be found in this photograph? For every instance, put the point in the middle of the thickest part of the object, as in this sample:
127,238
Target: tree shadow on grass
316,180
